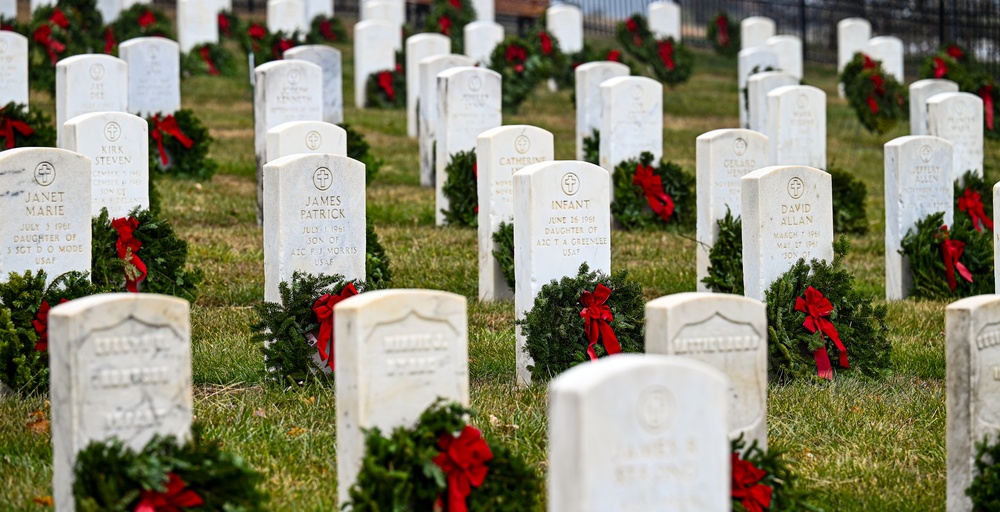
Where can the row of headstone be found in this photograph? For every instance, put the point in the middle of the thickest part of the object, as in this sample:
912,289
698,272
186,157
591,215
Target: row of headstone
291,15
393,11
197,23
565,23
375,45
938,108
480,38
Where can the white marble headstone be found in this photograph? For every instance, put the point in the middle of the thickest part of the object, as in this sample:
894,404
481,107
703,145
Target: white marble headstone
418,48
89,83
286,16
500,152
755,30
562,218
375,45
639,433
484,10
796,125
480,38
588,97
749,62
565,23
329,59
889,51
665,19
723,157
117,144
917,184
314,219
958,118
109,9
154,75
13,68
758,85
852,37
298,137
393,11
789,52
469,103
318,8
120,367
631,119
197,23
787,215
398,351
920,92
428,108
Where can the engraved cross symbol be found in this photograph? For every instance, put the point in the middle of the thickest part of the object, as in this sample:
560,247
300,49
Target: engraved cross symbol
796,188
312,140
44,174
570,182
322,178
112,131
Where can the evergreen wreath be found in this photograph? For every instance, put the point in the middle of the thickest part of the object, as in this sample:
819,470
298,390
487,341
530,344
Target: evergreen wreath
724,33
552,61
449,17
877,98
208,59
985,487
10,23
325,29
764,480
850,214
520,68
185,144
957,64
253,39
70,27
670,60
387,88
412,468
556,332
932,249
165,475
230,25
652,197
278,42
22,127
592,147
377,272
503,238
140,20
461,190
160,251
969,193
359,149
795,350
725,258
25,301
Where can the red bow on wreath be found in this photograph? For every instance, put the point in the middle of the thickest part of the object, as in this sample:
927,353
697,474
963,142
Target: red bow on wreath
224,24
633,27
954,52
8,126
546,42
463,460
326,28
597,317
614,56
206,56
652,185
868,63
971,203
516,55
951,251
385,82
147,19
746,486
456,3
323,308
41,325
817,309
170,501
444,25
940,67
986,93
59,18
109,41
666,49
722,34
280,46
170,127
43,36
128,246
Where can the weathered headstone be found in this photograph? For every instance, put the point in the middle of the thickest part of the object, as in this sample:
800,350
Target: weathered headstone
796,125
13,68
315,218
728,332
665,19
758,85
639,433
375,45
749,62
787,215
972,350
286,90
46,205
889,51
197,23
789,52
120,368
588,97
723,157
917,184
562,218
418,48
484,10
118,147
481,37
958,118
109,9
286,16
298,137
427,125
852,37
500,152
318,8
89,83
398,351
920,92
154,75
631,119
755,30
565,23
329,60
468,104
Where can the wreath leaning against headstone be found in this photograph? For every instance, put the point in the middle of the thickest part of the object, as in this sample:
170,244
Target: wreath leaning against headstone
503,240
208,59
725,258
670,60
179,144
724,33
449,17
648,196
877,98
387,88
521,70
461,190
325,29
22,127
140,20
955,63
984,491
70,27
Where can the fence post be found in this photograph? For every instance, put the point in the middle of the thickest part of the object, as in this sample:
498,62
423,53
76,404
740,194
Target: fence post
802,30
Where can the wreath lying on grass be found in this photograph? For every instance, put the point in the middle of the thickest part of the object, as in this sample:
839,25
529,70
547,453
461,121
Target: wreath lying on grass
503,238
670,61
230,26
71,27
949,264
140,20
724,33
442,463
763,480
877,98
449,17
25,301
324,29
179,145
592,147
21,127
955,63
208,59
359,149
165,475
570,316
647,196
815,313
985,487
848,197
461,190
141,252
387,88
725,258
520,68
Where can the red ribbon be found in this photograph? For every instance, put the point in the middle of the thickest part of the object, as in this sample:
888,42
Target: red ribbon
444,25
666,49
955,52
168,126
205,56
546,43
746,486
326,28
868,63
971,203
59,18
323,308
173,500
224,24
817,308
951,251
43,36
986,92
147,19
614,56
940,67
633,27
872,105
463,460
279,48
597,315
879,83
41,325
652,185
516,55
385,82
109,41
722,34
456,3
128,246
8,126
257,31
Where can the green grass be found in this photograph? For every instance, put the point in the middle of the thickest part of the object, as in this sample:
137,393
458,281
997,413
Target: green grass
860,445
